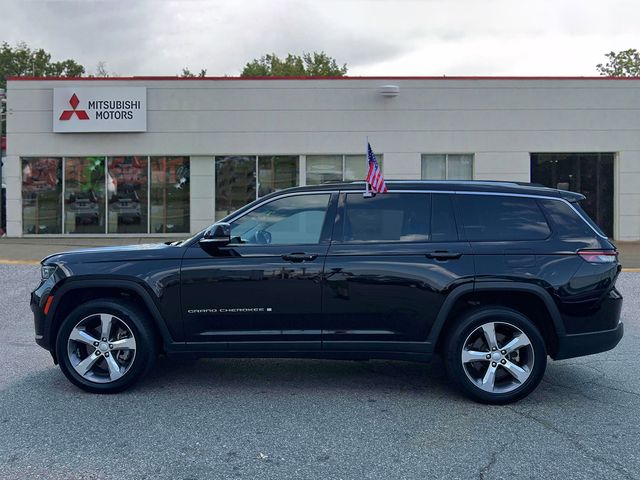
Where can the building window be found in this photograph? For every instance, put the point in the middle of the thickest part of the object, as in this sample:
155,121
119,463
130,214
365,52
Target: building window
277,173
127,194
242,179
41,195
589,173
447,166
337,168
235,183
84,199
78,195
170,195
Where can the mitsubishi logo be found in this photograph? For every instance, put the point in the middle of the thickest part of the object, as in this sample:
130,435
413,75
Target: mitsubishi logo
67,114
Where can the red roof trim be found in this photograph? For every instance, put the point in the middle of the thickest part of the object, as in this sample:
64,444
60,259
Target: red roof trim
160,78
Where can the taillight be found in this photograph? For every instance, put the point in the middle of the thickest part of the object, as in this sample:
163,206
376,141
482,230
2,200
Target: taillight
599,256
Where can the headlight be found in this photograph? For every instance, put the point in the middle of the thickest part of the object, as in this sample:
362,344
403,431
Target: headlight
47,270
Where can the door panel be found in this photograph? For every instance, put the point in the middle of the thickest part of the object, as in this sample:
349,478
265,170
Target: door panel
252,293
265,286
392,262
388,292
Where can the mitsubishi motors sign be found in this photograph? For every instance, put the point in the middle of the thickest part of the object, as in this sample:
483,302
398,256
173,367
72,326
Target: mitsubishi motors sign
99,109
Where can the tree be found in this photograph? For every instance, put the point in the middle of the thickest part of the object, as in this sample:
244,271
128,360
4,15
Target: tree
186,73
308,65
20,61
101,70
622,64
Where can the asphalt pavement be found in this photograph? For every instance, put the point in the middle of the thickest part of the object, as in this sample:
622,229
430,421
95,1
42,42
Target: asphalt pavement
308,419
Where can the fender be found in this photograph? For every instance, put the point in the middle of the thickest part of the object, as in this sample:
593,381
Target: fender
74,284
458,292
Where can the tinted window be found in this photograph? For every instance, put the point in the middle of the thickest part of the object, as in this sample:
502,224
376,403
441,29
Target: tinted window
566,222
443,222
285,221
497,218
389,217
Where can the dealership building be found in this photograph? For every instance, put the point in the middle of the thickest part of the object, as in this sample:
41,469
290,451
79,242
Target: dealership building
147,156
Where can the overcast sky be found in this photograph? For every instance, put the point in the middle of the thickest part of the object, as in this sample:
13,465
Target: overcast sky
373,37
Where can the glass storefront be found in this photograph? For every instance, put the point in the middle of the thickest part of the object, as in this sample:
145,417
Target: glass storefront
127,191
588,173
84,187
143,194
323,169
235,183
98,195
41,195
242,179
337,168
170,181
276,173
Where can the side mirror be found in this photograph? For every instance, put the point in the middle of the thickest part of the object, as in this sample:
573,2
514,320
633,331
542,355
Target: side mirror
217,235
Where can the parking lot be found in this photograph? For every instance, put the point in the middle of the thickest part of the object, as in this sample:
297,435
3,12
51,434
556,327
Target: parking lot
307,419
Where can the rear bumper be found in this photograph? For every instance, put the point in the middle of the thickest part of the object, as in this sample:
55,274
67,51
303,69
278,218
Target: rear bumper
580,344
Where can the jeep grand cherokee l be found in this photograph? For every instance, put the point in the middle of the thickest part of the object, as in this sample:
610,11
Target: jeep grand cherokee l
494,276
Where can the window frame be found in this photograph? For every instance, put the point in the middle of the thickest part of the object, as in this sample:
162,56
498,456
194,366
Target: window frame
446,165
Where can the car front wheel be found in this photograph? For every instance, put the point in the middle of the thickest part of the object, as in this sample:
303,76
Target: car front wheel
105,346
495,355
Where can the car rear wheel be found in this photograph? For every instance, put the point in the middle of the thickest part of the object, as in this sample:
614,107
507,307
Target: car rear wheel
495,355
105,346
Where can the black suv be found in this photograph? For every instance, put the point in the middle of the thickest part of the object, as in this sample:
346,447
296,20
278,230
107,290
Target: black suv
494,276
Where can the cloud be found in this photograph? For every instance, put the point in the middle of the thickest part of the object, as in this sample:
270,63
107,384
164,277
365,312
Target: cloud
374,37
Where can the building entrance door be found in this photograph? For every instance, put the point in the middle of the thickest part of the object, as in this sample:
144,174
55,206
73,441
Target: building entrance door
588,173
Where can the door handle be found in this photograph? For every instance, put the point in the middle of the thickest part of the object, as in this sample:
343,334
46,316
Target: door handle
443,255
299,257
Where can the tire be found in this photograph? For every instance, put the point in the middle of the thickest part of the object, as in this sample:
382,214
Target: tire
488,375
113,365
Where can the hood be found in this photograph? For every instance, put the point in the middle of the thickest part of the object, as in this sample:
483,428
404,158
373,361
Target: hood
150,251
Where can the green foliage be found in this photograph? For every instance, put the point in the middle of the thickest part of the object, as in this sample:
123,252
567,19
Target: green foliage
308,65
186,73
622,64
22,61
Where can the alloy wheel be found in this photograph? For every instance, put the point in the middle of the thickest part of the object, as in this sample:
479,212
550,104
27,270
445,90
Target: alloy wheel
101,348
497,357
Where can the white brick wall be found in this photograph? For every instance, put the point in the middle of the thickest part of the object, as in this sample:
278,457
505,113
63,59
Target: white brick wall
500,121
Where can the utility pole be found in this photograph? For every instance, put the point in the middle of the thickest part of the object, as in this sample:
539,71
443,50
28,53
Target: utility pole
3,101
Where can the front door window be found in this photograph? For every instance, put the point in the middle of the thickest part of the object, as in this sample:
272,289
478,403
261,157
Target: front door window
294,220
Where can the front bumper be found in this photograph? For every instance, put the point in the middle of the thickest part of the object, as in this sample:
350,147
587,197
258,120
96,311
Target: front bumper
580,344
39,321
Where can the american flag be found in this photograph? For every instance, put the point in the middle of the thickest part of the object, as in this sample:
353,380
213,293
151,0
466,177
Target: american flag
374,175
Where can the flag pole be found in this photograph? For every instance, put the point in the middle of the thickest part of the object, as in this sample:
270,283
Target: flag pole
367,193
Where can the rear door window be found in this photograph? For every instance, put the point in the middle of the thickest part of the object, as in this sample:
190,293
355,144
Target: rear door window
388,217
501,218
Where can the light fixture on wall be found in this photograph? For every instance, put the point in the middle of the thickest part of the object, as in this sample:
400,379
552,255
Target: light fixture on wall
389,90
